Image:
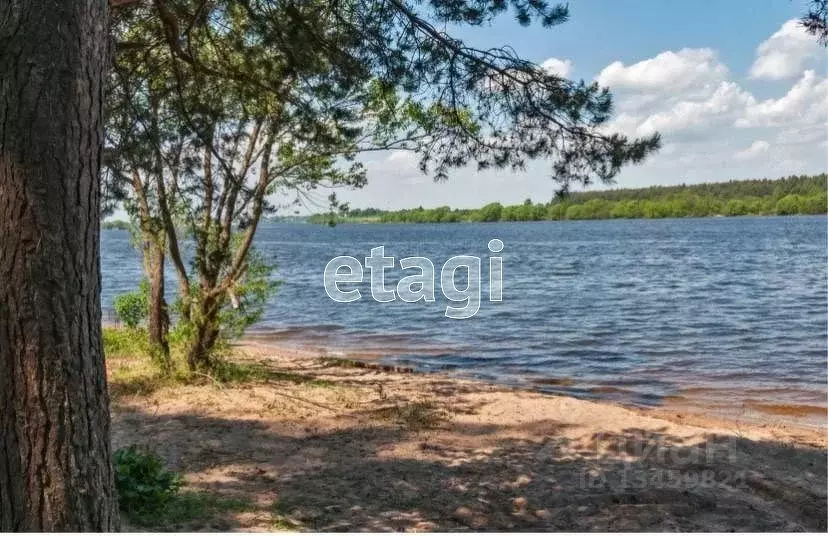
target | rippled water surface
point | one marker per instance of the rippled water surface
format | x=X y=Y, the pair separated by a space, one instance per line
x=633 y=310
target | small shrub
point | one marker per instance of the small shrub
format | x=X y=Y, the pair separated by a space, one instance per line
x=251 y=297
x=145 y=487
x=125 y=342
x=150 y=496
x=131 y=307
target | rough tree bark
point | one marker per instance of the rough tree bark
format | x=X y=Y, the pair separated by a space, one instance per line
x=55 y=466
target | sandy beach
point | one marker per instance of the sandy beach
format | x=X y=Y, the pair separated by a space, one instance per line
x=335 y=445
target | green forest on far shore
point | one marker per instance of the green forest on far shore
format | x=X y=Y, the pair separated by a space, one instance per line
x=760 y=197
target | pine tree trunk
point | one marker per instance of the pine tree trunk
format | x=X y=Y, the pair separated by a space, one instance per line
x=55 y=453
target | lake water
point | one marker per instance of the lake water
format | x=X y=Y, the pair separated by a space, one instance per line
x=632 y=310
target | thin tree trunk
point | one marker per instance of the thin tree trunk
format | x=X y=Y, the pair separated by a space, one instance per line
x=172 y=244
x=206 y=324
x=158 y=321
x=55 y=453
x=206 y=333
x=153 y=251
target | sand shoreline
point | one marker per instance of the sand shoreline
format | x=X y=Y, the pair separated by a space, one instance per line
x=692 y=402
x=329 y=445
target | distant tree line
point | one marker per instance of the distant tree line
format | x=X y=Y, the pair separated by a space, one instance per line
x=120 y=225
x=762 y=197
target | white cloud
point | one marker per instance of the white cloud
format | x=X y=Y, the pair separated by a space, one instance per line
x=802 y=135
x=714 y=128
x=728 y=99
x=669 y=70
x=394 y=165
x=694 y=102
x=406 y=158
x=784 y=54
x=558 y=67
x=756 y=148
x=693 y=106
x=497 y=82
x=805 y=103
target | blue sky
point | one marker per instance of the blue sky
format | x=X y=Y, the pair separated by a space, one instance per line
x=735 y=87
x=602 y=31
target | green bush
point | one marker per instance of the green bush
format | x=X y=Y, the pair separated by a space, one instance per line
x=145 y=487
x=131 y=307
x=125 y=342
x=252 y=295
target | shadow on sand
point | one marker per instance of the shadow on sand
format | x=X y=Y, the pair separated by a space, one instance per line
x=382 y=477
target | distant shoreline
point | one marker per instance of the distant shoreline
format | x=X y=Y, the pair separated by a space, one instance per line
x=790 y=196
x=120 y=225
x=363 y=221
x=795 y=195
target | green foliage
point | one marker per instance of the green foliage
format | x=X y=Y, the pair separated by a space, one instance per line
x=800 y=204
x=119 y=225
x=125 y=342
x=490 y=212
x=150 y=496
x=343 y=77
x=245 y=304
x=211 y=107
x=145 y=487
x=239 y=307
x=131 y=307
x=790 y=195
x=133 y=371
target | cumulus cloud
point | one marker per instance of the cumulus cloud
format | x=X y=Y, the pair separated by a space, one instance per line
x=727 y=100
x=805 y=103
x=712 y=123
x=784 y=54
x=715 y=126
x=677 y=96
x=756 y=148
x=689 y=67
x=558 y=67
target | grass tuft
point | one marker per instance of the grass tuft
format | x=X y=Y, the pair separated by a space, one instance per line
x=134 y=372
x=188 y=507
x=234 y=372
x=414 y=415
x=125 y=342
x=280 y=521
